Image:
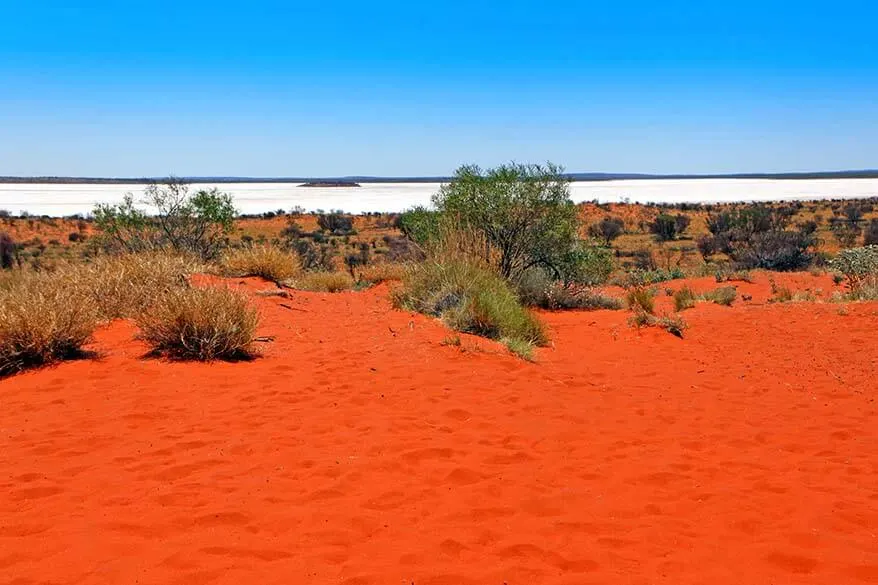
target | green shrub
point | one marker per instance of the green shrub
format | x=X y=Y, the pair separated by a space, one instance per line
x=668 y=227
x=533 y=286
x=756 y=236
x=524 y=213
x=469 y=298
x=607 y=229
x=584 y=264
x=336 y=223
x=201 y=324
x=197 y=223
x=420 y=224
x=859 y=267
x=648 y=277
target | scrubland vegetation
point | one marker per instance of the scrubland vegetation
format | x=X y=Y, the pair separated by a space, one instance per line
x=495 y=244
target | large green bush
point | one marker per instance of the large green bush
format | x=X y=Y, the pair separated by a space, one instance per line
x=859 y=267
x=757 y=236
x=196 y=223
x=523 y=211
x=585 y=264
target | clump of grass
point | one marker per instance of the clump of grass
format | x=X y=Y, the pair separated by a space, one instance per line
x=43 y=319
x=784 y=294
x=684 y=298
x=724 y=295
x=734 y=275
x=573 y=296
x=382 y=272
x=520 y=347
x=452 y=340
x=268 y=262
x=641 y=298
x=673 y=324
x=201 y=324
x=470 y=297
x=331 y=282
x=125 y=285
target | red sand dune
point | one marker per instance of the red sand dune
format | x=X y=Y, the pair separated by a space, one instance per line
x=360 y=450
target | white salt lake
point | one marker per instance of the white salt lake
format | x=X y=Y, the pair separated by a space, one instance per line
x=251 y=198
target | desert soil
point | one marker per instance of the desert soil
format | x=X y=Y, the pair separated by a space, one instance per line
x=361 y=450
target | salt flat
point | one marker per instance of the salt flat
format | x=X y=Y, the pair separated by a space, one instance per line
x=60 y=200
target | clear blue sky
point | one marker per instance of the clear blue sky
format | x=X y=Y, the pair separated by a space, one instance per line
x=323 y=87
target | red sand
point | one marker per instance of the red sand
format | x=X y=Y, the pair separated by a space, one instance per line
x=359 y=450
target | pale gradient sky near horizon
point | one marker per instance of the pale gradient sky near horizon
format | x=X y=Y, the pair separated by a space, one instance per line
x=113 y=88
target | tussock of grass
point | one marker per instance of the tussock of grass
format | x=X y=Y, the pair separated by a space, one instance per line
x=673 y=324
x=684 y=298
x=559 y=296
x=784 y=294
x=43 y=319
x=521 y=348
x=324 y=282
x=382 y=272
x=641 y=298
x=731 y=276
x=724 y=295
x=201 y=324
x=124 y=286
x=452 y=340
x=471 y=298
x=268 y=262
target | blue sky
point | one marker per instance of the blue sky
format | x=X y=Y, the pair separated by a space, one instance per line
x=321 y=88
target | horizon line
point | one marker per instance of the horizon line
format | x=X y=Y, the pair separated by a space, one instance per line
x=573 y=176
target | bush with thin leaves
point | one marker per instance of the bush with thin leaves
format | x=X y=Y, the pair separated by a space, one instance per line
x=193 y=223
x=859 y=267
x=607 y=229
x=524 y=212
x=201 y=324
